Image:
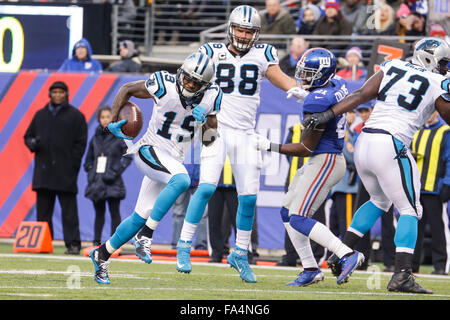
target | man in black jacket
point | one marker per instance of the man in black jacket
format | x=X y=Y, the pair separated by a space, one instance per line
x=58 y=136
x=288 y=63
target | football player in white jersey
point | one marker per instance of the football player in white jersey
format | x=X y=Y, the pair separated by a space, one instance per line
x=182 y=103
x=241 y=65
x=406 y=95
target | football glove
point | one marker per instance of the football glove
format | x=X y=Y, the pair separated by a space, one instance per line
x=312 y=121
x=297 y=92
x=261 y=143
x=114 y=128
x=199 y=113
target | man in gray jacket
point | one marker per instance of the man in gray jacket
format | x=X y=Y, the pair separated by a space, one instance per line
x=276 y=20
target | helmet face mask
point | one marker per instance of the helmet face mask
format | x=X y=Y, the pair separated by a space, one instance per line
x=195 y=76
x=432 y=54
x=242 y=44
x=316 y=67
x=307 y=75
x=243 y=17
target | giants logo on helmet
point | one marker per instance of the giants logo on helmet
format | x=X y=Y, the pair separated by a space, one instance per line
x=324 y=62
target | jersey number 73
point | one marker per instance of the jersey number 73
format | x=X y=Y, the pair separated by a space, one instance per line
x=416 y=91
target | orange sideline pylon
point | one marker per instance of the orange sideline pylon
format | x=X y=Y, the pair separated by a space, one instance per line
x=33 y=236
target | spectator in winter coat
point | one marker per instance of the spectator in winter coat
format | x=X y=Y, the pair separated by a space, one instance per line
x=289 y=62
x=276 y=20
x=104 y=165
x=382 y=22
x=129 y=61
x=334 y=22
x=57 y=136
x=81 y=60
x=354 y=69
x=356 y=12
x=307 y=18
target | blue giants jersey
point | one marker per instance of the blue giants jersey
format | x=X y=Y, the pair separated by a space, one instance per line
x=321 y=99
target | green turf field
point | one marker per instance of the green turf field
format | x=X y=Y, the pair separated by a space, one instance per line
x=63 y=277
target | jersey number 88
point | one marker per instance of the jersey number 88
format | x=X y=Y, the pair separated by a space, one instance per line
x=249 y=75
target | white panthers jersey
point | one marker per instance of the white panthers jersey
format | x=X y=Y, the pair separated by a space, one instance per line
x=172 y=125
x=405 y=99
x=240 y=77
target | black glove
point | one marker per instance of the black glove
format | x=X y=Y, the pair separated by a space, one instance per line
x=34 y=143
x=444 y=195
x=109 y=177
x=313 y=120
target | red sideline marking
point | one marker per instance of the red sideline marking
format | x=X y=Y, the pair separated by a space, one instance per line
x=88 y=107
x=12 y=171
x=266 y=263
x=14 y=95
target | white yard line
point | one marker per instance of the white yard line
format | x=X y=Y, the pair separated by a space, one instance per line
x=299 y=292
x=67 y=273
x=222 y=265
x=27 y=294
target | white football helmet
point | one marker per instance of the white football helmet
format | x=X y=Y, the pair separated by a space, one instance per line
x=432 y=54
x=199 y=70
x=244 y=17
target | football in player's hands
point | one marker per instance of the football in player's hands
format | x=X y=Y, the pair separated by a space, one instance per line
x=134 y=119
x=115 y=129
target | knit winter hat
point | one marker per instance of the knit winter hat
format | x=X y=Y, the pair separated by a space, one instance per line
x=315 y=10
x=59 y=85
x=333 y=4
x=355 y=50
x=436 y=30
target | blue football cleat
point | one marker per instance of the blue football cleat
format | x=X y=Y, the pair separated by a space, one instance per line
x=238 y=259
x=349 y=264
x=184 y=256
x=101 y=267
x=306 y=278
x=142 y=245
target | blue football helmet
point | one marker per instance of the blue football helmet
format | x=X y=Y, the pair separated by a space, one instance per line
x=316 y=67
